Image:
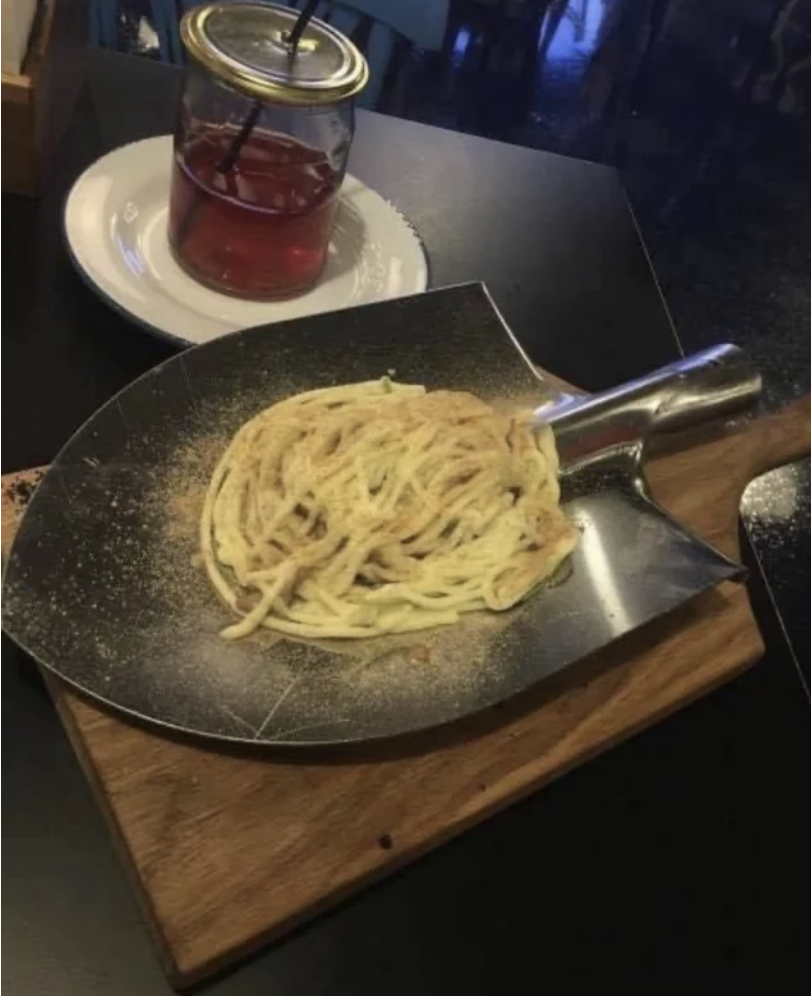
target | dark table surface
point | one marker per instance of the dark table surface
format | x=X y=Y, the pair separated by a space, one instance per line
x=681 y=852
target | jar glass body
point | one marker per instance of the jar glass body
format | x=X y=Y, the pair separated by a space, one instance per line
x=254 y=187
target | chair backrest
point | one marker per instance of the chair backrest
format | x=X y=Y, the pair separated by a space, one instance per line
x=422 y=22
x=384 y=30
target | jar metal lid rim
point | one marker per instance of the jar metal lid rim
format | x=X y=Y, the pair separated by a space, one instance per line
x=267 y=85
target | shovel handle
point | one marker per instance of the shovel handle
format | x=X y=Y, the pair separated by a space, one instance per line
x=716 y=383
x=779 y=438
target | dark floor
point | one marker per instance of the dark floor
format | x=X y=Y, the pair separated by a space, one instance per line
x=703 y=107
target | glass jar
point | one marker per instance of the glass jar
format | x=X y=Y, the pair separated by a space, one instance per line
x=261 y=146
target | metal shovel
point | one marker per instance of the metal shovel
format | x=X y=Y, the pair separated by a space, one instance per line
x=155 y=652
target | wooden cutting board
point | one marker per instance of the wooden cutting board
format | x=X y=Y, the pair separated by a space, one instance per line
x=228 y=849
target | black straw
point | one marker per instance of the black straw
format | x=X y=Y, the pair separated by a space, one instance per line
x=298 y=28
x=229 y=160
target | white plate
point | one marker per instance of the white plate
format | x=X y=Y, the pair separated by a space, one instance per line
x=115 y=220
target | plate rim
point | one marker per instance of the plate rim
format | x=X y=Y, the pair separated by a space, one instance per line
x=103 y=292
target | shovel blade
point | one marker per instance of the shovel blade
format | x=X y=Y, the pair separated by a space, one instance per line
x=633 y=564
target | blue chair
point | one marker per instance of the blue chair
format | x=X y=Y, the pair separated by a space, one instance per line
x=384 y=30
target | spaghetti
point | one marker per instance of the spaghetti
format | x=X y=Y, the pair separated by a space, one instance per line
x=377 y=508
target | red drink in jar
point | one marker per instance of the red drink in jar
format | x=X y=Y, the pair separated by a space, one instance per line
x=263 y=133
x=259 y=229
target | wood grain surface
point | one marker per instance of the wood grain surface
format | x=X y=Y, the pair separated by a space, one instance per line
x=230 y=848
